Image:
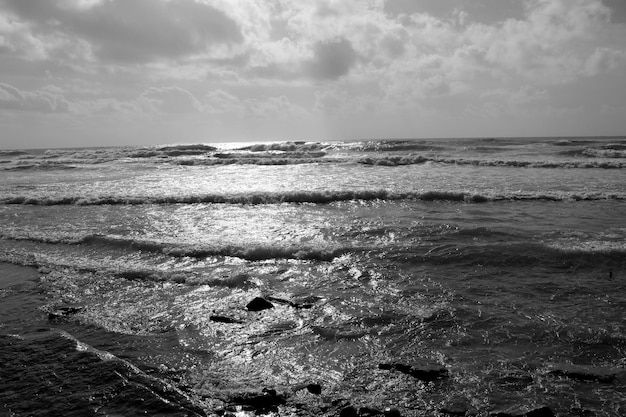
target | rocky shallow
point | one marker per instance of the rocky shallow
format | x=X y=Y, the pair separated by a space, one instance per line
x=161 y=387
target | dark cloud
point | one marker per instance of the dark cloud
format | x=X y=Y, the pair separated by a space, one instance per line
x=618 y=10
x=132 y=30
x=331 y=59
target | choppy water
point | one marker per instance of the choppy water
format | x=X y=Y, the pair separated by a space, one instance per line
x=125 y=274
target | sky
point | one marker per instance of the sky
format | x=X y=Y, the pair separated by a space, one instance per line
x=136 y=72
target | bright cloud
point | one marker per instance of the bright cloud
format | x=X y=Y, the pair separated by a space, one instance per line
x=344 y=68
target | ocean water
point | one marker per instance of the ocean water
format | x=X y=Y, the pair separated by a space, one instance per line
x=405 y=277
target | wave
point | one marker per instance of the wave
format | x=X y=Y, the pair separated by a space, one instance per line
x=609 y=150
x=297 y=146
x=396 y=145
x=420 y=159
x=40 y=165
x=259 y=158
x=253 y=252
x=11 y=153
x=518 y=254
x=250 y=253
x=312 y=197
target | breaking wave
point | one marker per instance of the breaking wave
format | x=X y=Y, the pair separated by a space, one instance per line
x=252 y=252
x=313 y=197
x=420 y=159
x=394 y=145
x=297 y=146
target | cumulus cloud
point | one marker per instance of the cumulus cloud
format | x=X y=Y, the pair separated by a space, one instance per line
x=605 y=60
x=331 y=59
x=130 y=30
x=47 y=100
x=172 y=100
x=549 y=45
x=335 y=60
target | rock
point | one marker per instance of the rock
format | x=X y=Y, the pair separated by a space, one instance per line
x=392 y=412
x=224 y=319
x=306 y=302
x=265 y=401
x=369 y=412
x=423 y=372
x=314 y=389
x=582 y=412
x=259 y=304
x=348 y=411
x=585 y=373
x=517 y=412
x=300 y=303
x=540 y=412
x=280 y=300
x=63 y=312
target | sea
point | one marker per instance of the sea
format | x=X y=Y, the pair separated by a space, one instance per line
x=426 y=277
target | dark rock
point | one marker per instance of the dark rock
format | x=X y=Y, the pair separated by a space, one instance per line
x=314 y=389
x=540 y=412
x=348 y=411
x=517 y=412
x=259 y=304
x=306 y=302
x=582 y=412
x=280 y=301
x=301 y=303
x=224 y=319
x=369 y=412
x=585 y=373
x=340 y=402
x=265 y=401
x=514 y=380
x=392 y=412
x=63 y=312
x=511 y=412
x=423 y=372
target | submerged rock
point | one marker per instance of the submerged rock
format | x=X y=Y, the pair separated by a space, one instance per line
x=314 y=389
x=540 y=412
x=63 y=312
x=392 y=412
x=299 y=303
x=259 y=304
x=224 y=319
x=517 y=412
x=306 y=302
x=369 y=412
x=348 y=411
x=585 y=373
x=262 y=402
x=422 y=371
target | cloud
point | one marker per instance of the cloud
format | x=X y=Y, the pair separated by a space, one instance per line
x=130 y=30
x=172 y=100
x=331 y=59
x=46 y=101
x=605 y=60
x=550 y=44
